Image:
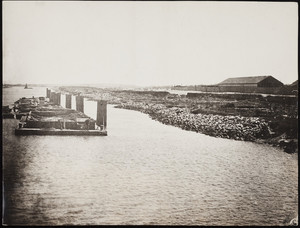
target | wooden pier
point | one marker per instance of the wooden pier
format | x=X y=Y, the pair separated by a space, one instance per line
x=45 y=116
x=45 y=131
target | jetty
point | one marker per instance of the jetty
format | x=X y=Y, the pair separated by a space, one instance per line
x=45 y=116
x=45 y=131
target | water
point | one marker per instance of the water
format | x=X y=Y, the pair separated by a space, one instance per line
x=144 y=172
x=12 y=94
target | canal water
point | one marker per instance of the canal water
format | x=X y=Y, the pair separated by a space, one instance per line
x=143 y=172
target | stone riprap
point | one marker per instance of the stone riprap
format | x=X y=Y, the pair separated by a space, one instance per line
x=233 y=127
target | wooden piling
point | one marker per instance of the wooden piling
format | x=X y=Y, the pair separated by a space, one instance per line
x=55 y=98
x=52 y=96
x=101 y=113
x=58 y=96
x=79 y=104
x=48 y=91
x=68 y=101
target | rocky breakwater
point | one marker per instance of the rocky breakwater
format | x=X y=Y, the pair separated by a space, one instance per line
x=251 y=117
x=231 y=127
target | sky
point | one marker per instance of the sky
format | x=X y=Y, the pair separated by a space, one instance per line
x=148 y=43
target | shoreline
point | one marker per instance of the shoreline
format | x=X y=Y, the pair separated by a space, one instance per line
x=231 y=127
x=242 y=117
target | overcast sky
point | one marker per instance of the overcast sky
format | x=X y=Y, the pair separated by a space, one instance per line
x=148 y=43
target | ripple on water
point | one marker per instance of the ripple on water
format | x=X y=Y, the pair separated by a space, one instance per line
x=145 y=172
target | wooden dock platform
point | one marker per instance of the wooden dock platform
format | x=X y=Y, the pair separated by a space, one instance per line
x=45 y=131
x=45 y=116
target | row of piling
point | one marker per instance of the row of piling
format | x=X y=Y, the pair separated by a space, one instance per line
x=101 y=120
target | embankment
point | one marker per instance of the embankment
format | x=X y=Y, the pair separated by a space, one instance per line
x=233 y=127
x=250 y=117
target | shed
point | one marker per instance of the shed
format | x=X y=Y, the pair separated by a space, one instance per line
x=253 y=81
x=294 y=84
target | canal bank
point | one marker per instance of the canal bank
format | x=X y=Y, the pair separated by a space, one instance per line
x=231 y=127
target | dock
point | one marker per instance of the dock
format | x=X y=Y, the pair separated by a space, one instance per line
x=45 y=131
x=45 y=116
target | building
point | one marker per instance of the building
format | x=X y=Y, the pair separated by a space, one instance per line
x=254 y=84
x=256 y=81
x=294 y=84
x=293 y=88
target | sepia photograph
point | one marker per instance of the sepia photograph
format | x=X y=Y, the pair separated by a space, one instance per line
x=149 y=113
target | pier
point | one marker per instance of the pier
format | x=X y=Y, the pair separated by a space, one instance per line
x=45 y=131
x=46 y=116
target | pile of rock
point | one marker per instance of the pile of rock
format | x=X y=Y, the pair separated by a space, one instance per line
x=233 y=127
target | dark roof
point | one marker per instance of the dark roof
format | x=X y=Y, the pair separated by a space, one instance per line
x=244 y=80
x=295 y=83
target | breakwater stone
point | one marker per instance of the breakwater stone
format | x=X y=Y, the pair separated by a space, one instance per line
x=232 y=127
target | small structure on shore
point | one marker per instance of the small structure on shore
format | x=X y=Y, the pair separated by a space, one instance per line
x=44 y=116
x=253 y=84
